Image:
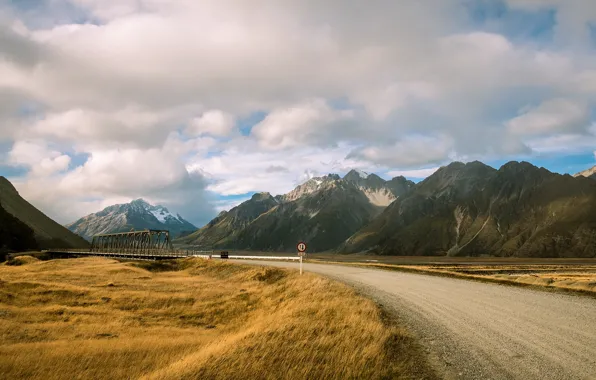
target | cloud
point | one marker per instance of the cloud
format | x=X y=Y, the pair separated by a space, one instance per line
x=415 y=173
x=552 y=116
x=276 y=169
x=407 y=152
x=38 y=157
x=313 y=122
x=155 y=93
x=112 y=175
x=213 y=122
x=243 y=169
x=567 y=143
x=573 y=18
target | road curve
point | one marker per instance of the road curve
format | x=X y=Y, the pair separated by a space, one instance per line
x=474 y=330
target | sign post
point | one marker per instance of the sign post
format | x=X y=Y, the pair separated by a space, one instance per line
x=301 y=252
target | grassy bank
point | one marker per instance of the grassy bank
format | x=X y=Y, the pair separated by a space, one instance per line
x=101 y=318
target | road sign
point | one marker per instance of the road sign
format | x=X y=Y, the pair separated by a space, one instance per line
x=301 y=247
x=301 y=252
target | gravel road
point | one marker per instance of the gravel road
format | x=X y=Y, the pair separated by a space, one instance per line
x=475 y=330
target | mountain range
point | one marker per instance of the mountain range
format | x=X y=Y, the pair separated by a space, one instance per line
x=136 y=215
x=460 y=210
x=24 y=227
x=463 y=209
x=473 y=209
x=324 y=211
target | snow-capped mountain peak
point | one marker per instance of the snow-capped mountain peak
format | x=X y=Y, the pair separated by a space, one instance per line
x=136 y=215
x=312 y=185
x=362 y=174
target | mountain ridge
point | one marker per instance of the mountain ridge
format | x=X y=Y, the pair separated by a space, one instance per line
x=473 y=209
x=135 y=215
x=589 y=173
x=30 y=225
x=324 y=210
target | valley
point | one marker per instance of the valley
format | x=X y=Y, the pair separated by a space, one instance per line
x=298 y=190
x=411 y=248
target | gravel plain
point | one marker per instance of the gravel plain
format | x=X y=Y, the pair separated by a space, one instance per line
x=473 y=330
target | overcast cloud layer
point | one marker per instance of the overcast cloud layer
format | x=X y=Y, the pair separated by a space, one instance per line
x=197 y=104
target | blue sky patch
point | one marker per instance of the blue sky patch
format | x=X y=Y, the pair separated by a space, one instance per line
x=246 y=124
x=562 y=164
x=77 y=160
x=516 y=24
x=13 y=171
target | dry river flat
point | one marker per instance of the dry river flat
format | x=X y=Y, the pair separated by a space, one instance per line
x=474 y=330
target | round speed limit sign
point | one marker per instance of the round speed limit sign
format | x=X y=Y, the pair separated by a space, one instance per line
x=301 y=247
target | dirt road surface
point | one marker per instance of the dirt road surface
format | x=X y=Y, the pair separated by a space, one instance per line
x=474 y=330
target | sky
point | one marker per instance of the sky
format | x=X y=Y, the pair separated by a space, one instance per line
x=198 y=104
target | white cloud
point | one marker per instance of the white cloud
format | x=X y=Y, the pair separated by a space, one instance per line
x=415 y=173
x=313 y=122
x=117 y=175
x=242 y=169
x=568 y=143
x=552 y=116
x=213 y=122
x=407 y=152
x=37 y=156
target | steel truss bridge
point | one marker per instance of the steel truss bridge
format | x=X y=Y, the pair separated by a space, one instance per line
x=138 y=242
x=145 y=244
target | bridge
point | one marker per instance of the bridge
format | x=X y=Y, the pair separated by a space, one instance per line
x=144 y=242
x=145 y=245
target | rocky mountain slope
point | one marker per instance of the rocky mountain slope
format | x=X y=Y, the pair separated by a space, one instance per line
x=15 y=236
x=22 y=226
x=589 y=173
x=136 y=215
x=473 y=209
x=229 y=222
x=323 y=211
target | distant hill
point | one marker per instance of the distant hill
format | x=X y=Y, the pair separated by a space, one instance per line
x=323 y=211
x=589 y=173
x=227 y=223
x=136 y=215
x=21 y=221
x=473 y=209
x=15 y=236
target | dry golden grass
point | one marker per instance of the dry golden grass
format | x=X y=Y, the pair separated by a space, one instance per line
x=96 y=318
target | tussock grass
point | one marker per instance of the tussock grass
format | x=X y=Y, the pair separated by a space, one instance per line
x=104 y=319
x=21 y=260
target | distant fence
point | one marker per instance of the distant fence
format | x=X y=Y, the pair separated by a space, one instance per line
x=244 y=257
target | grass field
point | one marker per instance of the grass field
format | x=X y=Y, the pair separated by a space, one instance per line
x=96 y=318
